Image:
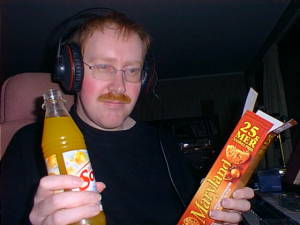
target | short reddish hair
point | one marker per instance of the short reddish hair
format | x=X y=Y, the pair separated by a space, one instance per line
x=118 y=21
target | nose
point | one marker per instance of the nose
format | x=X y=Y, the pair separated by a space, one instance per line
x=118 y=83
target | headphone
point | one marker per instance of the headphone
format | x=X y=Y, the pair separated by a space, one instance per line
x=69 y=67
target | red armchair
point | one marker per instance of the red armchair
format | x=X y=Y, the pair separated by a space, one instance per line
x=20 y=104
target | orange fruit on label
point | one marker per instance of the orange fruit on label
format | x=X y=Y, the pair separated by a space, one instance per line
x=235 y=155
x=235 y=173
x=190 y=221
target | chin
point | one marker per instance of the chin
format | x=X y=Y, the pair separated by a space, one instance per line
x=111 y=124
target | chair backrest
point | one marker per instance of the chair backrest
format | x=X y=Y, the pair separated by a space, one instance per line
x=21 y=100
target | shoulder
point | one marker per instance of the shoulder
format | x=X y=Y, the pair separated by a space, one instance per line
x=25 y=141
x=24 y=151
x=32 y=129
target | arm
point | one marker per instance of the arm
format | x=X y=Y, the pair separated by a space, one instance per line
x=21 y=168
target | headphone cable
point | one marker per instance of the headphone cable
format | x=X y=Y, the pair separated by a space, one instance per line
x=170 y=174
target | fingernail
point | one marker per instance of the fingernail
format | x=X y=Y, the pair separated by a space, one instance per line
x=99 y=197
x=235 y=194
x=100 y=206
x=224 y=202
x=104 y=186
x=212 y=213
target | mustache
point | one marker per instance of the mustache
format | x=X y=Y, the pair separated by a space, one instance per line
x=114 y=97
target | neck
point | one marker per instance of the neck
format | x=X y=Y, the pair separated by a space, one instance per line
x=125 y=125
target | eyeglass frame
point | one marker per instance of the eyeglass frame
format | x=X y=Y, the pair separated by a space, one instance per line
x=142 y=72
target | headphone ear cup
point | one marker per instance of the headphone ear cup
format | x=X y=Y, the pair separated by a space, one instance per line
x=69 y=68
x=78 y=67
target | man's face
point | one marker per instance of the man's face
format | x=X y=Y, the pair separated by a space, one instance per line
x=97 y=102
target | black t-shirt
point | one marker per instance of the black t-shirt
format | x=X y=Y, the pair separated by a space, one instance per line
x=139 y=189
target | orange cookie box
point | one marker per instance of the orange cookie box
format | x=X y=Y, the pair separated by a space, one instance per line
x=233 y=167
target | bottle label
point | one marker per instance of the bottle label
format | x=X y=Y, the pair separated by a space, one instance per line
x=77 y=163
x=52 y=165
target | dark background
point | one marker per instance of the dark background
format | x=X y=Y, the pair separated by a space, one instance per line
x=190 y=38
x=206 y=51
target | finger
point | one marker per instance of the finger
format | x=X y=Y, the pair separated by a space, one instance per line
x=64 y=200
x=227 y=217
x=72 y=215
x=49 y=184
x=240 y=205
x=243 y=193
x=100 y=186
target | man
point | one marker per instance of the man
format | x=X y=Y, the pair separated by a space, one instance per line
x=126 y=155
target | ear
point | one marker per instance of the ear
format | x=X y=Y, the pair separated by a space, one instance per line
x=69 y=69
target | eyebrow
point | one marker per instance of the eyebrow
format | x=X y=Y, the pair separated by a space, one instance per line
x=112 y=60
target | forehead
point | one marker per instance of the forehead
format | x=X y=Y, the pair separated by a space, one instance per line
x=110 y=40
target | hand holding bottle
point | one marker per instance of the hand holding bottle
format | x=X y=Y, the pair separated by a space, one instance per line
x=52 y=206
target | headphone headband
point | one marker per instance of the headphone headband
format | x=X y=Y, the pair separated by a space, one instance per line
x=72 y=24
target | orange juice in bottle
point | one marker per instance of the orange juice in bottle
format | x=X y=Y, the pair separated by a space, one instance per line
x=64 y=148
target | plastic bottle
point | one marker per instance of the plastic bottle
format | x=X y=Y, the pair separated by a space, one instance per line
x=64 y=148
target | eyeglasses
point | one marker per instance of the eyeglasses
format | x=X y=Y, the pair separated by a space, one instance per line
x=108 y=72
